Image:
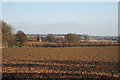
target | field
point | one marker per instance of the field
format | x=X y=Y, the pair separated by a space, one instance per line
x=79 y=62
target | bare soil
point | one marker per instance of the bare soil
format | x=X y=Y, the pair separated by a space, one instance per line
x=80 y=62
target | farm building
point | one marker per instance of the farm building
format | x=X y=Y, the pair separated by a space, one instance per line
x=36 y=38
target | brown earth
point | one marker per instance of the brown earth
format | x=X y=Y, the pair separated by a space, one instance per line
x=80 y=62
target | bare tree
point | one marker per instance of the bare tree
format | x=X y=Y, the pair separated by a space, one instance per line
x=50 y=38
x=72 y=38
x=21 y=37
x=7 y=34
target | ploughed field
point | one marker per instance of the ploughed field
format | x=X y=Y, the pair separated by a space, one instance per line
x=79 y=62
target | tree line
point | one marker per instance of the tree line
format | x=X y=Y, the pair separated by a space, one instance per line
x=70 y=38
x=10 y=39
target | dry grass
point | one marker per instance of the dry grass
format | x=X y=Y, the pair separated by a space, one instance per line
x=87 y=62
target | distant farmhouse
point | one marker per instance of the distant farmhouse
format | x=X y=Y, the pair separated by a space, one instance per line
x=36 y=37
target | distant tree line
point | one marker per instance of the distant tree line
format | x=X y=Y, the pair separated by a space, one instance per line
x=11 y=39
x=70 y=38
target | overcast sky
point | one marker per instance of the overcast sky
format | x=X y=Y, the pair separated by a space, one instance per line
x=93 y=18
